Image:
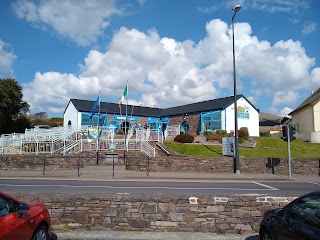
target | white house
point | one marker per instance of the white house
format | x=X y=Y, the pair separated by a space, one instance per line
x=192 y=118
x=306 y=119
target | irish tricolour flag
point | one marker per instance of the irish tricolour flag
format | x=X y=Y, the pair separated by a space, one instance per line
x=125 y=94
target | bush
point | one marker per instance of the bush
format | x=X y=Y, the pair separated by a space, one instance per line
x=184 y=138
x=243 y=133
x=221 y=132
x=120 y=132
x=214 y=137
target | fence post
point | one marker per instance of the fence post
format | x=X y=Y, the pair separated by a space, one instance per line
x=44 y=165
x=97 y=157
x=125 y=160
x=113 y=166
x=148 y=166
x=78 y=166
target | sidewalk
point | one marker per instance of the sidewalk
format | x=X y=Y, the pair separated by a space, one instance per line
x=115 y=235
x=119 y=173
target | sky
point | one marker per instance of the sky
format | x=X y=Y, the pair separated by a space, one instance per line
x=170 y=52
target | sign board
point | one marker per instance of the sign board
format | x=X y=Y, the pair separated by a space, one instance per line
x=129 y=118
x=112 y=146
x=228 y=146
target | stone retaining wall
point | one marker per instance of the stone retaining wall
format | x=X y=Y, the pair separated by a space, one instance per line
x=173 y=163
x=182 y=163
x=232 y=214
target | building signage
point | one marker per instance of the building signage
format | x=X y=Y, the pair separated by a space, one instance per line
x=227 y=146
x=243 y=112
x=129 y=118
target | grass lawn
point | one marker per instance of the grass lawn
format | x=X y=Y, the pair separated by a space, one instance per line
x=266 y=147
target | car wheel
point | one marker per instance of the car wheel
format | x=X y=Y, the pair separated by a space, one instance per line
x=265 y=235
x=41 y=233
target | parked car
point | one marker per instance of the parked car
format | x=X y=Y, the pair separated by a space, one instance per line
x=23 y=221
x=298 y=220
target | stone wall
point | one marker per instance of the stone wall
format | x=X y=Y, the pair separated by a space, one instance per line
x=193 y=120
x=220 y=214
x=54 y=162
x=182 y=163
x=162 y=163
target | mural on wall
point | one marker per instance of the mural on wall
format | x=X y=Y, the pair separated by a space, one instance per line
x=243 y=112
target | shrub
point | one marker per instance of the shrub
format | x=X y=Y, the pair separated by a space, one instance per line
x=120 y=132
x=221 y=132
x=184 y=138
x=243 y=133
x=214 y=137
x=241 y=140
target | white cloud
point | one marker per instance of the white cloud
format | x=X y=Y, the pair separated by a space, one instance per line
x=285 y=97
x=6 y=61
x=285 y=112
x=279 y=6
x=164 y=72
x=309 y=28
x=81 y=21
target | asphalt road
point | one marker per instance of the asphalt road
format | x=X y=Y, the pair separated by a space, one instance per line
x=220 y=187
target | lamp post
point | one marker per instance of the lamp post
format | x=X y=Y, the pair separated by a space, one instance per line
x=236 y=140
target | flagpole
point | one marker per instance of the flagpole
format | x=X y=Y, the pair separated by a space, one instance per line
x=126 y=114
x=98 y=139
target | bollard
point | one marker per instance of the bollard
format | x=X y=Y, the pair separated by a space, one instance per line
x=44 y=165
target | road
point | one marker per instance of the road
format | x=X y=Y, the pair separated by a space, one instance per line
x=220 y=187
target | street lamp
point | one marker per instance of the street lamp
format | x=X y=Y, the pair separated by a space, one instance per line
x=236 y=140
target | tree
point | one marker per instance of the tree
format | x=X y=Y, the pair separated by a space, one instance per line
x=40 y=115
x=11 y=104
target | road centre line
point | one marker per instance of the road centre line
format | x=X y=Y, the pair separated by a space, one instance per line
x=264 y=185
x=152 y=187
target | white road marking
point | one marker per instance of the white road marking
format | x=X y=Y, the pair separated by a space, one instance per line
x=267 y=186
x=314 y=183
x=152 y=187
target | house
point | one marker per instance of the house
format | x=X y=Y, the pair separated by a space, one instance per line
x=270 y=125
x=192 y=118
x=306 y=119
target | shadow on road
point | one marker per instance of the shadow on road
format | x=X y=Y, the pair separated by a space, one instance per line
x=256 y=237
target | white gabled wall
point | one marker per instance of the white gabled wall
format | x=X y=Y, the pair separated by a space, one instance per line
x=248 y=117
x=71 y=114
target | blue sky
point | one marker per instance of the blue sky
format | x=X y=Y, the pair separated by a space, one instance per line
x=170 y=52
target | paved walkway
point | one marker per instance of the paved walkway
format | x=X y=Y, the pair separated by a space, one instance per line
x=119 y=173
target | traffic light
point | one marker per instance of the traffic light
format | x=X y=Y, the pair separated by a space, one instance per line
x=292 y=130
x=284 y=133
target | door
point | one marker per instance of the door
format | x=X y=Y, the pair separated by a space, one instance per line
x=11 y=225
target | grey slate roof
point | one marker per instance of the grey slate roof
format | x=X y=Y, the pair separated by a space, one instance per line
x=113 y=108
x=267 y=119
x=315 y=97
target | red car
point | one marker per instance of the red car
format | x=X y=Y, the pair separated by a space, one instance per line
x=23 y=221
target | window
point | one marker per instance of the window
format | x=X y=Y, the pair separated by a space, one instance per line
x=210 y=121
x=6 y=206
x=94 y=120
x=307 y=211
x=184 y=127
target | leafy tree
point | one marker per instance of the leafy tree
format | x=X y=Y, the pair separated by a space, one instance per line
x=11 y=104
x=40 y=115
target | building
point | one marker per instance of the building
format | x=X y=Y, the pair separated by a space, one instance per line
x=306 y=119
x=192 y=118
